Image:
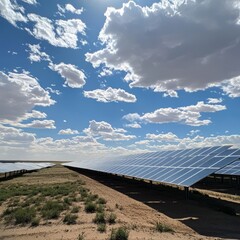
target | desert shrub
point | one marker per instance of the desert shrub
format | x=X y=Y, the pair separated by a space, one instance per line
x=160 y=227
x=101 y=201
x=70 y=219
x=81 y=236
x=35 y=222
x=24 y=215
x=90 y=207
x=91 y=198
x=99 y=218
x=100 y=208
x=67 y=201
x=119 y=234
x=75 y=209
x=52 y=210
x=112 y=218
x=101 y=227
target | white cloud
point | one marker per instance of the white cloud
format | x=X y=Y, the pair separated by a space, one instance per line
x=106 y=132
x=164 y=137
x=74 y=77
x=53 y=91
x=42 y=124
x=232 y=87
x=68 y=131
x=110 y=95
x=188 y=45
x=132 y=125
x=33 y=2
x=12 y=12
x=214 y=100
x=59 y=33
x=70 y=8
x=19 y=94
x=13 y=137
x=189 y=115
x=36 y=55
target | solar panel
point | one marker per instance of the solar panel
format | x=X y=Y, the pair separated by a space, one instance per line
x=231 y=169
x=180 y=167
x=17 y=166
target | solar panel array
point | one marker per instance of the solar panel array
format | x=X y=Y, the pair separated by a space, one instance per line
x=18 y=166
x=179 y=167
x=234 y=167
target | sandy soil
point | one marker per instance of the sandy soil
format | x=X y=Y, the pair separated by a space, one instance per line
x=137 y=207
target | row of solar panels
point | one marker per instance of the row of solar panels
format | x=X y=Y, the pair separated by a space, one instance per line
x=179 y=167
x=19 y=166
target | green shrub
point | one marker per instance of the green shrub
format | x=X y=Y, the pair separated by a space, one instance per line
x=100 y=208
x=90 y=207
x=119 y=234
x=70 y=219
x=99 y=218
x=112 y=218
x=67 y=201
x=35 y=222
x=81 y=236
x=163 y=228
x=52 y=210
x=101 y=227
x=24 y=215
x=101 y=201
x=75 y=209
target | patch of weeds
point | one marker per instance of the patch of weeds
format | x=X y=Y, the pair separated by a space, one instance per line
x=67 y=201
x=120 y=233
x=99 y=218
x=75 y=209
x=160 y=227
x=24 y=215
x=81 y=236
x=90 y=207
x=52 y=209
x=112 y=218
x=70 y=219
x=118 y=206
x=91 y=198
x=100 y=208
x=101 y=227
x=101 y=201
x=35 y=222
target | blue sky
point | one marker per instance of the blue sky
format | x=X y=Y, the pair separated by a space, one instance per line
x=86 y=78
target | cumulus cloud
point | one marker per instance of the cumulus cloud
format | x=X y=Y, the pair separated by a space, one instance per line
x=110 y=95
x=19 y=94
x=13 y=137
x=74 y=77
x=232 y=87
x=36 y=55
x=172 y=45
x=68 y=131
x=70 y=8
x=44 y=124
x=163 y=137
x=59 y=33
x=106 y=132
x=12 y=12
x=189 y=115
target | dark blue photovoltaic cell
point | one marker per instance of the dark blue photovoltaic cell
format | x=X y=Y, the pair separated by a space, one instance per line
x=180 y=167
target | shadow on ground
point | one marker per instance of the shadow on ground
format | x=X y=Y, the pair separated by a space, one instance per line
x=170 y=201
